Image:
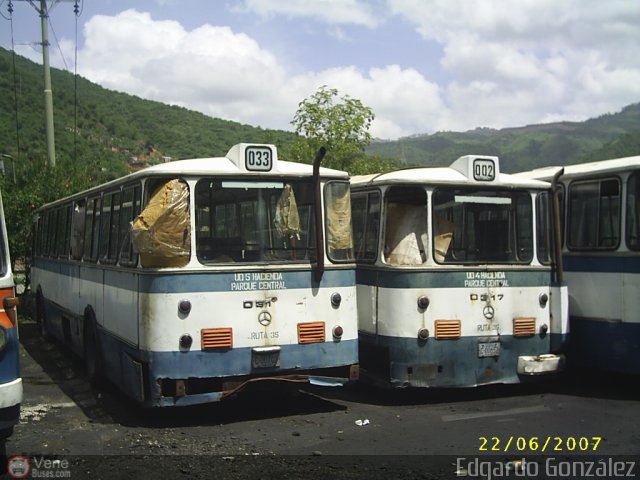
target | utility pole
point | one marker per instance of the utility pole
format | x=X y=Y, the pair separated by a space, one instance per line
x=48 y=93
x=43 y=11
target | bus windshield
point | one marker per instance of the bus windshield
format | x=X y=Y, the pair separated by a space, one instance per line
x=480 y=226
x=254 y=221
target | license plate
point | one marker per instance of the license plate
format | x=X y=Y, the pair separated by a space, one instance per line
x=268 y=357
x=489 y=349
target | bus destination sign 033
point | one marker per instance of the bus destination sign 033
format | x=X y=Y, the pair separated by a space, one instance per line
x=258 y=158
x=484 y=170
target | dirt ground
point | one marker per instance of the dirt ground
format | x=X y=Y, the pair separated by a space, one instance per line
x=277 y=432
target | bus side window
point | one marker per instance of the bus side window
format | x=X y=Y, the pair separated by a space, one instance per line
x=633 y=212
x=104 y=228
x=91 y=220
x=366 y=225
x=77 y=229
x=114 y=229
x=594 y=215
x=128 y=212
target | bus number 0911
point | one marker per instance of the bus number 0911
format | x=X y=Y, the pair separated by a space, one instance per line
x=258 y=159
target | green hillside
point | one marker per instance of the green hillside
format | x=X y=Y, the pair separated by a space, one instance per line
x=112 y=127
x=524 y=148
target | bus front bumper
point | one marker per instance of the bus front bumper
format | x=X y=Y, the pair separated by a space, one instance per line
x=10 y=399
x=540 y=364
x=11 y=393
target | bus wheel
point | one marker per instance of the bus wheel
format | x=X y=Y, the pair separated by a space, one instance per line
x=41 y=316
x=92 y=352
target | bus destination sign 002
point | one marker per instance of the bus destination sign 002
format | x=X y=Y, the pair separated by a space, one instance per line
x=484 y=170
x=258 y=158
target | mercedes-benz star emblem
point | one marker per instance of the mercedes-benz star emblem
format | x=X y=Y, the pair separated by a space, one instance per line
x=264 y=318
x=488 y=312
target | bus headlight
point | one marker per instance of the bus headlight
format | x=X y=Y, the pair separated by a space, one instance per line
x=544 y=328
x=3 y=338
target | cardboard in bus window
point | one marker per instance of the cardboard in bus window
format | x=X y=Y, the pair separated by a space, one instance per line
x=287 y=218
x=406 y=234
x=339 y=231
x=161 y=232
x=443 y=237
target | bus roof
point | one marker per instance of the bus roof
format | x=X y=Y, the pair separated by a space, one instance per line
x=461 y=172
x=233 y=164
x=585 y=169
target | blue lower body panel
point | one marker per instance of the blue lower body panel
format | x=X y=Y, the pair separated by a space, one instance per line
x=10 y=383
x=602 y=345
x=410 y=362
x=192 y=377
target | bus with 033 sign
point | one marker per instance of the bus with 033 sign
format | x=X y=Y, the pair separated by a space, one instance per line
x=184 y=282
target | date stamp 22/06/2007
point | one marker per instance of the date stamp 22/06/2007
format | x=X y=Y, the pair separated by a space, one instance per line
x=543 y=444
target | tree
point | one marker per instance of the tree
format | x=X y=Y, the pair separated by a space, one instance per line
x=341 y=125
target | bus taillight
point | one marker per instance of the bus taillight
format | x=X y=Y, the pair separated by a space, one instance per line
x=337 y=332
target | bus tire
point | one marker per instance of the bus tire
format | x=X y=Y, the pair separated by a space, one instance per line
x=41 y=316
x=92 y=350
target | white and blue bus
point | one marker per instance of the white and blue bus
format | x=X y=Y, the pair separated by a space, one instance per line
x=184 y=282
x=601 y=241
x=10 y=381
x=455 y=278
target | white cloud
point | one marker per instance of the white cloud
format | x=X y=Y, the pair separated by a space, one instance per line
x=505 y=63
x=355 y=12
x=530 y=61
x=210 y=69
x=228 y=75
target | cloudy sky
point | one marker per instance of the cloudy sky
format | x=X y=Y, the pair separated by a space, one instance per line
x=421 y=65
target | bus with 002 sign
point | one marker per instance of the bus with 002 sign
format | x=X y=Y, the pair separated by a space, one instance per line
x=456 y=277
